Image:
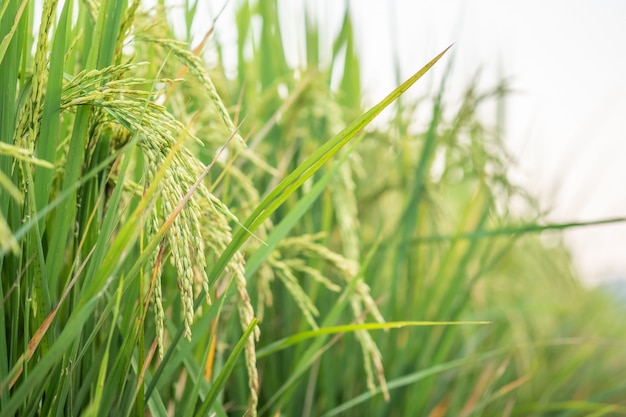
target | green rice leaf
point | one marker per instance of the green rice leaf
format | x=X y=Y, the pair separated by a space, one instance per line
x=302 y=336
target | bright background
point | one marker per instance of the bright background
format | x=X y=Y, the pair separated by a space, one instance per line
x=565 y=121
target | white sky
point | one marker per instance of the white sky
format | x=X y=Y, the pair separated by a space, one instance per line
x=566 y=123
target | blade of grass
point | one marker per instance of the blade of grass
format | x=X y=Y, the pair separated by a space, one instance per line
x=299 y=337
x=4 y=44
x=47 y=142
x=94 y=408
x=221 y=378
x=100 y=56
x=515 y=230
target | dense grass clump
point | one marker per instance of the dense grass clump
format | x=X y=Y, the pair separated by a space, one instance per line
x=179 y=240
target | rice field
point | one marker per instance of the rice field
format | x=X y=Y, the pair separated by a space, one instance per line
x=181 y=239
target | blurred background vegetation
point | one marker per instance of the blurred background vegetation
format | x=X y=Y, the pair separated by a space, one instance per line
x=395 y=269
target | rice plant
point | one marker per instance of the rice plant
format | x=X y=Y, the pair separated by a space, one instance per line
x=179 y=240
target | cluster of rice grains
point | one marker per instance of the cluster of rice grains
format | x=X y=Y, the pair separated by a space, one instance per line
x=190 y=216
x=215 y=216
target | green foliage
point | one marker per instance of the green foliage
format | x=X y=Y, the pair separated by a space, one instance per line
x=178 y=241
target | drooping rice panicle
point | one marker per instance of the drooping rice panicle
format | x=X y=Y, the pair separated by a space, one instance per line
x=159 y=132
